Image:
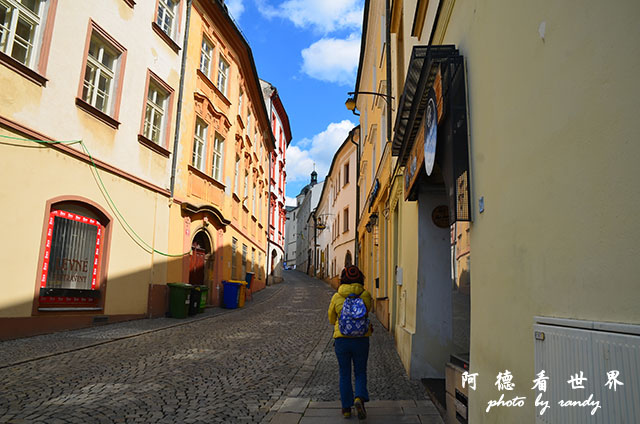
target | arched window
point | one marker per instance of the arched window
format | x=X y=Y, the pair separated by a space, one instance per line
x=75 y=245
x=347 y=259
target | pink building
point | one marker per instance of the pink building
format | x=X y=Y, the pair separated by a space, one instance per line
x=278 y=179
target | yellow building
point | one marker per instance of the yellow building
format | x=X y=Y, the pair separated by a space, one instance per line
x=221 y=186
x=82 y=245
x=519 y=117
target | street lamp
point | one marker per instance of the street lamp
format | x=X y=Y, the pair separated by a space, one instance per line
x=351 y=101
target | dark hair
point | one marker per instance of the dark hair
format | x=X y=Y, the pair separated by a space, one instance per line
x=351 y=275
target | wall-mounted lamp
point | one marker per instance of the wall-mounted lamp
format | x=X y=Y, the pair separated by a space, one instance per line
x=351 y=101
x=368 y=227
x=373 y=219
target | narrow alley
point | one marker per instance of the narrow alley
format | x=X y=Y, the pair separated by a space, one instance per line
x=271 y=361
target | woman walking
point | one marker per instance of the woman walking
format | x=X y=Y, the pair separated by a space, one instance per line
x=349 y=312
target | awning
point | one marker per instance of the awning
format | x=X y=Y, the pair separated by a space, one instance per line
x=438 y=70
x=413 y=102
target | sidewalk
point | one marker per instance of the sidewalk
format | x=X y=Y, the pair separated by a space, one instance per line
x=304 y=411
x=17 y=351
x=312 y=397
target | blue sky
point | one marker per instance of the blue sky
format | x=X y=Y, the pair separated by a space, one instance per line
x=308 y=49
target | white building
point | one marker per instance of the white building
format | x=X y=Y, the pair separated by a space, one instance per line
x=335 y=215
x=278 y=178
x=290 y=230
x=307 y=201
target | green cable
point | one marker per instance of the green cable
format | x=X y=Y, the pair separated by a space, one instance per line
x=105 y=191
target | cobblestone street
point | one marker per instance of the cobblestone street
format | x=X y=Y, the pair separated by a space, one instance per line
x=226 y=366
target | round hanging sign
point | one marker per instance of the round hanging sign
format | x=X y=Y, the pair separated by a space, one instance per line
x=431 y=131
x=440 y=216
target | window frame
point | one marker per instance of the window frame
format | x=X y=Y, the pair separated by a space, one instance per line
x=36 y=67
x=206 y=41
x=217 y=152
x=94 y=299
x=164 y=140
x=345 y=219
x=225 y=88
x=202 y=138
x=111 y=117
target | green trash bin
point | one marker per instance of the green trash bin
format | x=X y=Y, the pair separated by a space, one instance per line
x=204 y=295
x=194 y=302
x=179 y=297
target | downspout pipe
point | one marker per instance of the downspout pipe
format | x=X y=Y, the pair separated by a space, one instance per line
x=269 y=200
x=183 y=65
x=357 y=240
x=389 y=79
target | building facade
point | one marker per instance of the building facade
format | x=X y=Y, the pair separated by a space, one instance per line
x=334 y=216
x=278 y=179
x=221 y=193
x=290 y=232
x=307 y=200
x=474 y=114
x=95 y=89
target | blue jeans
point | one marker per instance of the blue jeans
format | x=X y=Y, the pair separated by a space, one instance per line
x=354 y=349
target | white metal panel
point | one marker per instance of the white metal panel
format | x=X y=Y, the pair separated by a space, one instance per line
x=566 y=351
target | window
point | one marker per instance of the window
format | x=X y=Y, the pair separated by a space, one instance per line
x=259 y=265
x=199 y=145
x=20 y=23
x=244 y=261
x=205 y=57
x=248 y=128
x=240 y=100
x=345 y=220
x=253 y=196
x=167 y=16
x=223 y=75
x=155 y=113
x=246 y=188
x=100 y=74
x=346 y=173
x=218 y=155
x=253 y=260
x=234 y=250
x=72 y=267
x=235 y=175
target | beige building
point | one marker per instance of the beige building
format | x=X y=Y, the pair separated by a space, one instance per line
x=500 y=122
x=221 y=190
x=87 y=242
x=334 y=217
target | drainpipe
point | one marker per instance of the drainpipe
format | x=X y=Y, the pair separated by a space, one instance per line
x=269 y=202
x=357 y=240
x=183 y=66
x=389 y=79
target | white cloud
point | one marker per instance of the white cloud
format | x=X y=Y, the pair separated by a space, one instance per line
x=322 y=147
x=236 y=8
x=322 y=16
x=333 y=60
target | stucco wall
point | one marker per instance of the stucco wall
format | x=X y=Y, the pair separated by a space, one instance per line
x=554 y=154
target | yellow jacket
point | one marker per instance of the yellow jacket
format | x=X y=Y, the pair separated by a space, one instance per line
x=338 y=300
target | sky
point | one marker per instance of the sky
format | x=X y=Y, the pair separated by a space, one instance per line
x=309 y=50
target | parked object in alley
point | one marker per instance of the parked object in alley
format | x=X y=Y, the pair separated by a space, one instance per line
x=231 y=294
x=179 y=299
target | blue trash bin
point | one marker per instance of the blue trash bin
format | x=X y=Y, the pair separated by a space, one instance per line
x=230 y=294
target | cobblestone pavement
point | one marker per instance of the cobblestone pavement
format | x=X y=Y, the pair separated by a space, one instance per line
x=235 y=366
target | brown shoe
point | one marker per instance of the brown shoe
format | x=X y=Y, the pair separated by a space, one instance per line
x=359 y=404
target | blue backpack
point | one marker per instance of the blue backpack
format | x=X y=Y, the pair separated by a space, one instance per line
x=353 y=320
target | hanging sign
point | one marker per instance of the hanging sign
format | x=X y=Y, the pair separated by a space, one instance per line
x=431 y=132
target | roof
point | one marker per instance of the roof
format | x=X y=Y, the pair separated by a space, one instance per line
x=269 y=91
x=413 y=102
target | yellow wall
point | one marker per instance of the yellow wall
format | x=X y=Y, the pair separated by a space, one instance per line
x=553 y=132
x=32 y=176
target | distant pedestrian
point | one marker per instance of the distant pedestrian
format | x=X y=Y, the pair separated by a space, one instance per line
x=349 y=312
